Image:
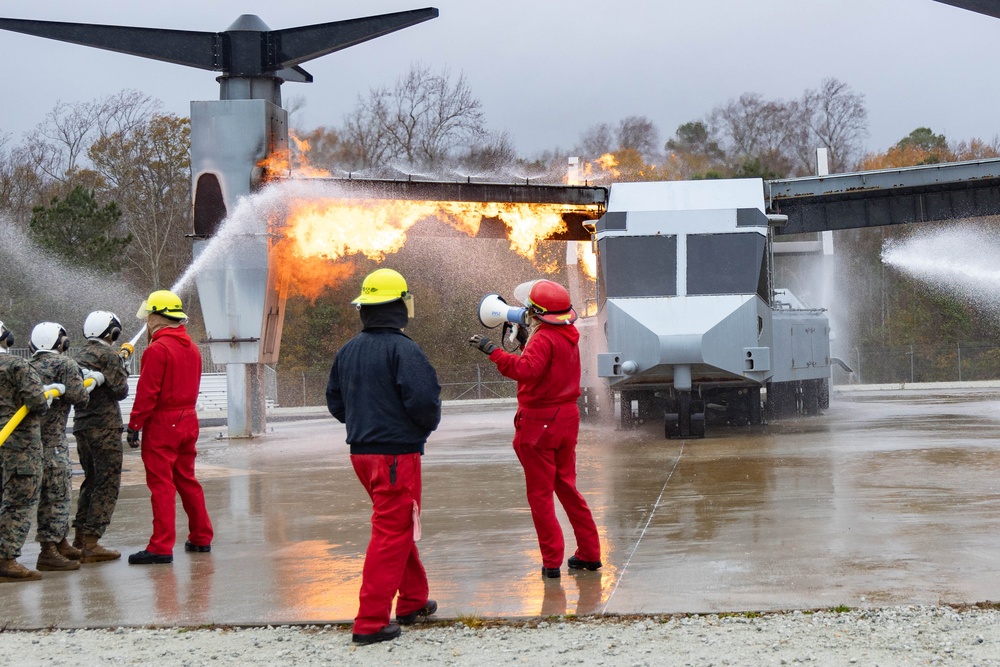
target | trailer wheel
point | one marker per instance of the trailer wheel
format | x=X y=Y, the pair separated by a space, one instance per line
x=810 y=398
x=627 y=418
x=782 y=400
x=756 y=407
x=684 y=417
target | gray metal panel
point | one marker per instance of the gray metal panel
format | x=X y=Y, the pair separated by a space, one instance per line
x=638 y=266
x=724 y=345
x=724 y=263
x=228 y=139
x=801 y=345
x=750 y=217
x=614 y=221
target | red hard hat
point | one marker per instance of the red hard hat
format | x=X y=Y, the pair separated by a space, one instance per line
x=549 y=302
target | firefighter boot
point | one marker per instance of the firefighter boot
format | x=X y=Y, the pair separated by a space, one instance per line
x=68 y=550
x=93 y=552
x=50 y=560
x=11 y=570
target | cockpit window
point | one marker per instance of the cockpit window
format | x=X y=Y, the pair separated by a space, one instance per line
x=639 y=266
x=727 y=264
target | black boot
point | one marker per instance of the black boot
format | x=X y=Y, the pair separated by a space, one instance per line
x=390 y=631
x=425 y=611
x=148 y=558
x=577 y=564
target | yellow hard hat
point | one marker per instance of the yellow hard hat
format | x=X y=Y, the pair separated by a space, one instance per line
x=381 y=286
x=162 y=302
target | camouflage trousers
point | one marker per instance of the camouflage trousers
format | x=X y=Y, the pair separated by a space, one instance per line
x=55 y=496
x=100 y=452
x=19 y=487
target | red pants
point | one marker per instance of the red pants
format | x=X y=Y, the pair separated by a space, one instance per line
x=392 y=562
x=168 y=453
x=545 y=442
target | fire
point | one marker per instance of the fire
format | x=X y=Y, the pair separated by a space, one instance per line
x=317 y=233
x=588 y=259
x=290 y=163
x=604 y=167
x=331 y=229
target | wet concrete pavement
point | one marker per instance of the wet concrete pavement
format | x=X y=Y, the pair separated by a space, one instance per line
x=892 y=497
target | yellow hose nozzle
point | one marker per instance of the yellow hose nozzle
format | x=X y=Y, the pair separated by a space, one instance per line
x=126 y=351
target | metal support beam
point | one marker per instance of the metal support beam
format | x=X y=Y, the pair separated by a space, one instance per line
x=928 y=193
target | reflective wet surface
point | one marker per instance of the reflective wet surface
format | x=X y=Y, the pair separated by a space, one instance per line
x=889 y=498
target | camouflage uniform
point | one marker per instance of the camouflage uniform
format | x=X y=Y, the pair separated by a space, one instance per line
x=21 y=454
x=57 y=488
x=98 y=431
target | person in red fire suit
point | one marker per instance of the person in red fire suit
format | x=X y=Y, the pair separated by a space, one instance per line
x=547 y=422
x=164 y=412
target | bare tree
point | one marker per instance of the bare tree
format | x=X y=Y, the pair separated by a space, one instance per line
x=422 y=120
x=492 y=153
x=21 y=187
x=838 y=120
x=639 y=134
x=596 y=141
x=760 y=136
x=57 y=147
x=147 y=168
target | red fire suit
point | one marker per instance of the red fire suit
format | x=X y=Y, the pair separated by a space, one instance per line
x=164 y=410
x=546 y=427
x=392 y=561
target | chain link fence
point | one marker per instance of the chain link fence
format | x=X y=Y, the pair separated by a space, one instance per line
x=869 y=365
x=919 y=363
x=307 y=388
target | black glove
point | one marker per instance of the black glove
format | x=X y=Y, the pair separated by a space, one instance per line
x=483 y=343
x=132 y=438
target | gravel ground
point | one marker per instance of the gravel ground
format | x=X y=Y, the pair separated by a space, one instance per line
x=938 y=635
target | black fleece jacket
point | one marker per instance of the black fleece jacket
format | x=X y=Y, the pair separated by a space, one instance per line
x=383 y=387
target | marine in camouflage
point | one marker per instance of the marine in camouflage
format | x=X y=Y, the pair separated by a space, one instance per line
x=98 y=431
x=56 y=494
x=21 y=453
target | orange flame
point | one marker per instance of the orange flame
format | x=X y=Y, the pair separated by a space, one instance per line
x=318 y=232
x=603 y=168
x=288 y=163
x=588 y=259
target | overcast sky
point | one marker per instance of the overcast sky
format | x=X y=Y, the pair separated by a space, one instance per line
x=546 y=70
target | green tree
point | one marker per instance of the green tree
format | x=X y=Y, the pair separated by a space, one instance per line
x=82 y=231
x=924 y=138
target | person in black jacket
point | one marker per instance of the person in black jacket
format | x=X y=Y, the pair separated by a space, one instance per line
x=386 y=391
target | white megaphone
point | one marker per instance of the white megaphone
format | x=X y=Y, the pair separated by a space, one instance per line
x=494 y=311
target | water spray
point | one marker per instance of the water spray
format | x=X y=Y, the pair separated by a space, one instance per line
x=960 y=261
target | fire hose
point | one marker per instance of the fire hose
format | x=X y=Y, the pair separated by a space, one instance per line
x=125 y=352
x=22 y=412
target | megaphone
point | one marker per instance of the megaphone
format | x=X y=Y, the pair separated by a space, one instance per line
x=494 y=311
